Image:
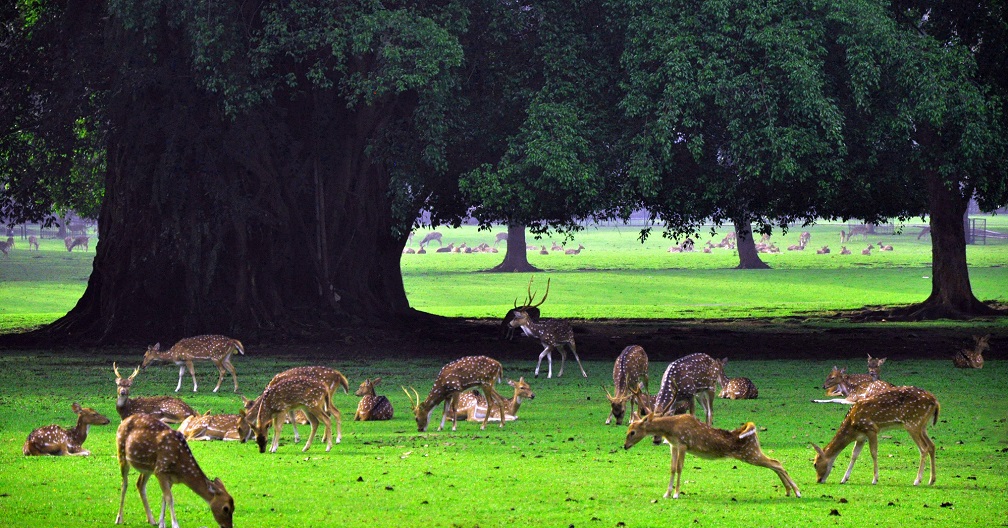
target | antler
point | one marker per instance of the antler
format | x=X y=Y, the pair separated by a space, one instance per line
x=413 y=403
x=532 y=297
x=116 y=370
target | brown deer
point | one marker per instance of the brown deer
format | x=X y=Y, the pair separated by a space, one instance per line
x=739 y=389
x=455 y=377
x=251 y=410
x=216 y=427
x=852 y=393
x=445 y=249
x=430 y=237
x=500 y=237
x=5 y=248
x=693 y=376
x=686 y=434
x=472 y=406
x=556 y=247
x=839 y=376
x=330 y=377
x=844 y=250
x=372 y=406
x=507 y=331
x=544 y=251
x=152 y=447
x=867 y=250
x=823 y=251
x=630 y=371
x=553 y=335
x=72 y=242
x=967 y=358
x=574 y=251
x=165 y=408
x=56 y=440
x=907 y=407
x=309 y=395
x=884 y=247
x=215 y=348
x=32 y=242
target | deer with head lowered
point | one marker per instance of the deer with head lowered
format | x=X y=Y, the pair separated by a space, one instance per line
x=330 y=377
x=455 y=377
x=430 y=237
x=215 y=348
x=278 y=400
x=472 y=406
x=56 y=440
x=693 y=376
x=907 y=407
x=552 y=334
x=165 y=408
x=372 y=406
x=629 y=372
x=686 y=434
x=153 y=448
x=72 y=242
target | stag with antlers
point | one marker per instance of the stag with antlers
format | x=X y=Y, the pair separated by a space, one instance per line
x=553 y=335
x=455 y=377
x=165 y=408
x=507 y=330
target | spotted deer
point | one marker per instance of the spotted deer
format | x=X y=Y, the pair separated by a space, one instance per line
x=472 y=406
x=56 y=440
x=372 y=406
x=307 y=394
x=153 y=448
x=867 y=250
x=330 y=377
x=695 y=376
x=967 y=358
x=844 y=250
x=630 y=370
x=852 y=393
x=507 y=331
x=739 y=389
x=825 y=250
x=455 y=377
x=165 y=408
x=33 y=242
x=838 y=376
x=215 y=348
x=251 y=410
x=216 y=427
x=552 y=334
x=907 y=407
x=686 y=434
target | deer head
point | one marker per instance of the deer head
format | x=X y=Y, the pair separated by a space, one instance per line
x=422 y=417
x=124 y=384
x=153 y=354
x=367 y=387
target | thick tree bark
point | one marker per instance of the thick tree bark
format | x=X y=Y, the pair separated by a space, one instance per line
x=516 y=258
x=746 y=245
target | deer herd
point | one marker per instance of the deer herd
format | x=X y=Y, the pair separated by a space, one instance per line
x=466 y=389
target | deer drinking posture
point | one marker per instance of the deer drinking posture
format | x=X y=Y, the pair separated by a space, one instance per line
x=372 y=406
x=967 y=358
x=472 y=406
x=693 y=376
x=630 y=371
x=278 y=400
x=907 y=407
x=56 y=440
x=687 y=435
x=455 y=377
x=553 y=335
x=215 y=348
x=153 y=448
x=739 y=389
x=165 y=408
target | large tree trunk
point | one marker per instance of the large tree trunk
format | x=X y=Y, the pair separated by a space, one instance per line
x=746 y=245
x=516 y=258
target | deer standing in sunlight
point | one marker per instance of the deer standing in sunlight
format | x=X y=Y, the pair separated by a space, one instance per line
x=215 y=348
x=455 y=377
x=553 y=334
x=56 y=440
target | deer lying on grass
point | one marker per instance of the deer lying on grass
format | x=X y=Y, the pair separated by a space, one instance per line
x=165 y=408
x=553 y=335
x=823 y=251
x=630 y=371
x=455 y=377
x=686 y=434
x=507 y=331
x=839 y=376
x=739 y=389
x=967 y=358
x=693 y=376
x=574 y=251
x=56 y=440
x=153 y=448
x=907 y=407
x=472 y=406
x=215 y=348
x=278 y=400
x=844 y=250
x=867 y=250
x=884 y=247
x=372 y=406
x=216 y=427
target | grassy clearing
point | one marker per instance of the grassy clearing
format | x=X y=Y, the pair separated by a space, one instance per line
x=559 y=465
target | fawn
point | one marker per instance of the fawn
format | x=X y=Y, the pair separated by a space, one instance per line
x=372 y=406
x=967 y=358
x=739 y=389
x=56 y=440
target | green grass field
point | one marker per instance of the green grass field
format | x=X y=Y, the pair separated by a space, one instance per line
x=558 y=465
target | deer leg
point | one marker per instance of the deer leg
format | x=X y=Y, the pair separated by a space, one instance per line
x=758 y=458
x=545 y=353
x=181 y=372
x=449 y=401
x=124 y=469
x=167 y=500
x=292 y=418
x=707 y=403
x=220 y=375
x=873 y=448
x=563 y=358
x=231 y=369
x=192 y=372
x=277 y=425
x=573 y=348
x=858 y=445
x=142 y=488
x=931 y=451
x=313 y=421
x=327 y=432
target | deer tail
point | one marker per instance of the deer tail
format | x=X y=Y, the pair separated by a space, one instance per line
x=748 y=429
x=343 y=382
x=937 y=408
x=239 y=347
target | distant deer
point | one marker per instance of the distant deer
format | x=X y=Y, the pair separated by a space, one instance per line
x=867 y=250
x=507 y=331
x=544 y=251
x=500 y=237
x=739 y=389
x=823 y=251
x=10 y=242
x=152 y=447
x=430 y=237
x=5 y=248
x=70 y=243
x=804 y=238
x=32 y=242
x=215 y=348
x=907 y=407
x=884 y=247
x=278 y=400
x=574 y=251
x=472 y=406
x=455 y=377
x=409 y=251
x=686 y=434
x=630 y=371
x=56 y=440
x=445 y=249
x=693 y=376
x=552 y=334
x=967 y=358
x=844 y=250
x=372 y=406
x=857 y=230
x=556 y=247
x=215 y=427
x=926 y=231
x=165 y=408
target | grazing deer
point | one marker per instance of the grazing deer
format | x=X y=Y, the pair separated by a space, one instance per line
x=574 y=251
x=500 y=237
x=165 y=408
x=552 y=334
x=926 y=231
x=686 y=434
x=215 y=348
x=629 y=371
x=152 y=447
x=430 y=237
x=216 y=427
x=867 y=250
x=739 y=389
x=857 y=230
x=823 y=251
x=472 y=406
x=372 y=406
x=32 y=242
x=251 y=410
x=455 y=377
x=72 y=242
x=907 y=407
x=507 y=331
x=330 y=377
x=5 y=248
x=967 y=358
x=310 y=395
x=56 y=440
x=693 y=376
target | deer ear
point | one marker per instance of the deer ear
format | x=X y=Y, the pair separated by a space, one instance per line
x=376 y=381
x=818 y=450
x=76 y=407
x=511 y=383
x=157 y=346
